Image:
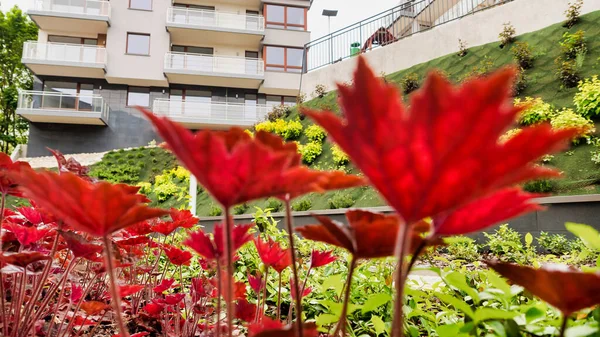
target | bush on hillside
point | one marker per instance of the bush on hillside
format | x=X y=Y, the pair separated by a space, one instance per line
x=240 y=209
x=572 y=13
x=587 y=99
x=523 y=54
x=320 y=90
x=287 y=129
x=567 y=118
x=274 y=205
x=540 y=186
x=462 y=48
x=341 y=200
x=537 y=111
x=302 y=205
x=507 y=35
x=278 y=112
x=310 y=152
x=215 y=210
x=573 y=44
x=315 y=133
x=520 y=82
x=483 y=68
x=339 y=156
x=410 y=83
x=567 y=72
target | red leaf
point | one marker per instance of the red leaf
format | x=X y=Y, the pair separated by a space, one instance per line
x=567 y=289
x=79 y=246
x=443 y=151
x=177 y=256
x=255 y=283
x=132 y=241
x=183 y=218
x=130 y=289
x=28 y=235
x=213 y=249
x=98 y=209
x=140 y=228
x=23 y=259
x=71 y=165
x=164 y=285
x=272 y=254
x=320 y=259
x=245 y=311
x=164 y=227
x=94 y=307
x=153 y=309
x=76 y=292
x=270 y=328
x=174 y=299
x=8 y=184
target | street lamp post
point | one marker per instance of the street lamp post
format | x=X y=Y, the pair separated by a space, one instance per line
x=329 y=13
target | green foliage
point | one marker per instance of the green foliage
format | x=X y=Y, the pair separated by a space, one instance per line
x=121 y=172
x=310 y=152
x=484 y=67
x=595 y=157
x=287 y=129
x=557 y=244
x=567 y=72
x=572 y=13
x=410 y=83
x=240 y=209
x=537 y=111
x=302 y=205
x=463 y=247
x=274 y=205
x=339 y=156
x=215 y=210
x=341 y=200
x=523 y=54
x=573 y=44
x=567 y=118
x=15 y=29
x=315 y=133
x=540 y=186
x=587 y=99
x=507 y=244
x=507 y=35
x=172 y=183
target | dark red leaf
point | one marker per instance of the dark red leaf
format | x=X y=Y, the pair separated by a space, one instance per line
x=8 y=183
x=130 y=289
x=272 y=254
x=28 y=235
x=94 y=307
x=245 y=311
x=164 y=285
x=23 y=259
x=79 y=246
x=177 y=256
x=320 y=259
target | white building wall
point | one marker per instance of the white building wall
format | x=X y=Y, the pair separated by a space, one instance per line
x=478 y=29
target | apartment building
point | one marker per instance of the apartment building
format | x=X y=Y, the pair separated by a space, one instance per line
x=209 y=64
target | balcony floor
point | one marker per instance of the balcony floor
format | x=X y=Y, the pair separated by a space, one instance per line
x=67 y=69
x=70 y=22
x=61 y=116
x=190 y=35
x=191 y=77
x=196 y=123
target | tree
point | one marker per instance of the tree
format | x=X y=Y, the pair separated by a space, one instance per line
x=15 y=29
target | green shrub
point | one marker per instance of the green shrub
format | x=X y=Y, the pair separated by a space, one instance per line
x=483 y=68
x=341 y=200
x=288 y=130
x=152 y=153
x=215 y=211
x=523 y=54
x=339 y=156
x=520 y=82
x=540 y=186
x=595 y=157
x=567 y=118
x=537 y=111
x=462 y=247
x=302 y=205
x=240 y=209
x=310 y=152
x=587 y=99
x=172 y=183
x=557 y=244
x=131 y=162
x=462 y=48
x=120 y=173
x=507 y=244
x=315 y=133
x=145 y=187
x=121 y=161
x=573 y=44
x=567 y=72
x=410 y=83
x=277 y=112
x=130 y=155
x=572 y=13
x=509 y=134
x=507 y=35
x=140 y=155
x=274 y=205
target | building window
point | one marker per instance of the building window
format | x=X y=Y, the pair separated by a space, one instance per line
x=285 y=17
x=283 y=59
x=68 y=95
x=273 y=101
x=138 y=44
x=138 y=96
x=141 y=4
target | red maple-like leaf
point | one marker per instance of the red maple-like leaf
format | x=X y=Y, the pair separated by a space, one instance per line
x=130 y=289
x=154 y=309
x=174 y=299
x=8 y=184
x=482 y=213
x=239 y=288
x=132 y=241
x=23 y=259
x=71 y=165
x=98 y=209
x=565 y=288
x=140 y=228
x=272 y=254
x=183 y=218
x=94 y=307
x=79 y=246
x=28 y=235
x=443 y=151
x=302 y=180
x=164 y=285
x=164 y=227
x=305 y=292
x=268 y=327
x=255 y=283
x=212 y=249
x=178 y=256
x=320 y=259
x=245 y=311
x=76 y=292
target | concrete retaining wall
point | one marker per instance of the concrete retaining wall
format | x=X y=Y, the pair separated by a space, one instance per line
x=578 y=208
x=477 y=29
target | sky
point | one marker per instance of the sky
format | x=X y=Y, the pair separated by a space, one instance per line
x=350 y=11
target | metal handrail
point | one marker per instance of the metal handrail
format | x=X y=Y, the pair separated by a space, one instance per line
x=88 y=7
x=211 y=112
x=65 y=52
x=214 y=63
x=62 y=102
x=392 y=25
x=215 y=19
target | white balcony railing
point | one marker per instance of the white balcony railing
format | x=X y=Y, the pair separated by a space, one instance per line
x=64 y=53
x=211 y=112
x=78 y=7
x=62 y=104
x=247 y=67
x=199 y=18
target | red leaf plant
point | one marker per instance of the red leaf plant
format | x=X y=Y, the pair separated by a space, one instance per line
x=245 y=311
x=212 y=249
x=98 y=209
x=71 y=165
x=178 y=256
x=273 y=256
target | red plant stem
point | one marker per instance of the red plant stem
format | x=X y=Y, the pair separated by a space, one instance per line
x=416 y=254
x=342 y=321
x=19 y=302
x=114 y=287
x=2 y=292
x=219 y=292
x=298 y=299
x=60 y=295
x=279 y=299
x=85 y=293
x=289 y=320
x=182 y=291
x=264 y=297
x=398 y=319
x=229 y=245
x=95 y=326
x=2 y=206
x=563 y=326
x=258 y=299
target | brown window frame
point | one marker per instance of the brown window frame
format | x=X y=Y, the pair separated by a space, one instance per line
x=127 y=97
x=285 y=66
x=141 y=9
x=285 y=24
x=127 y=43
x=78 y=88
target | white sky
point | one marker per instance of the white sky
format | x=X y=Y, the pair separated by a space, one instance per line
x=350 y=11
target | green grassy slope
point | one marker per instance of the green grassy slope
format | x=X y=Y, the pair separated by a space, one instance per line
x=581 y=175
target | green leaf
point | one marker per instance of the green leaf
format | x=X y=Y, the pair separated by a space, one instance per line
x=378 y=324
x=534 y=314
x=457 y=280
x=456 y=303
x=448 y=330
x=375 y=301
x=484 y=314
x=334 y=281
x=580 y=331
x=497 y=328
x=587 y=234
x=498 y=282
x=326 y=319
x=528 y=239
